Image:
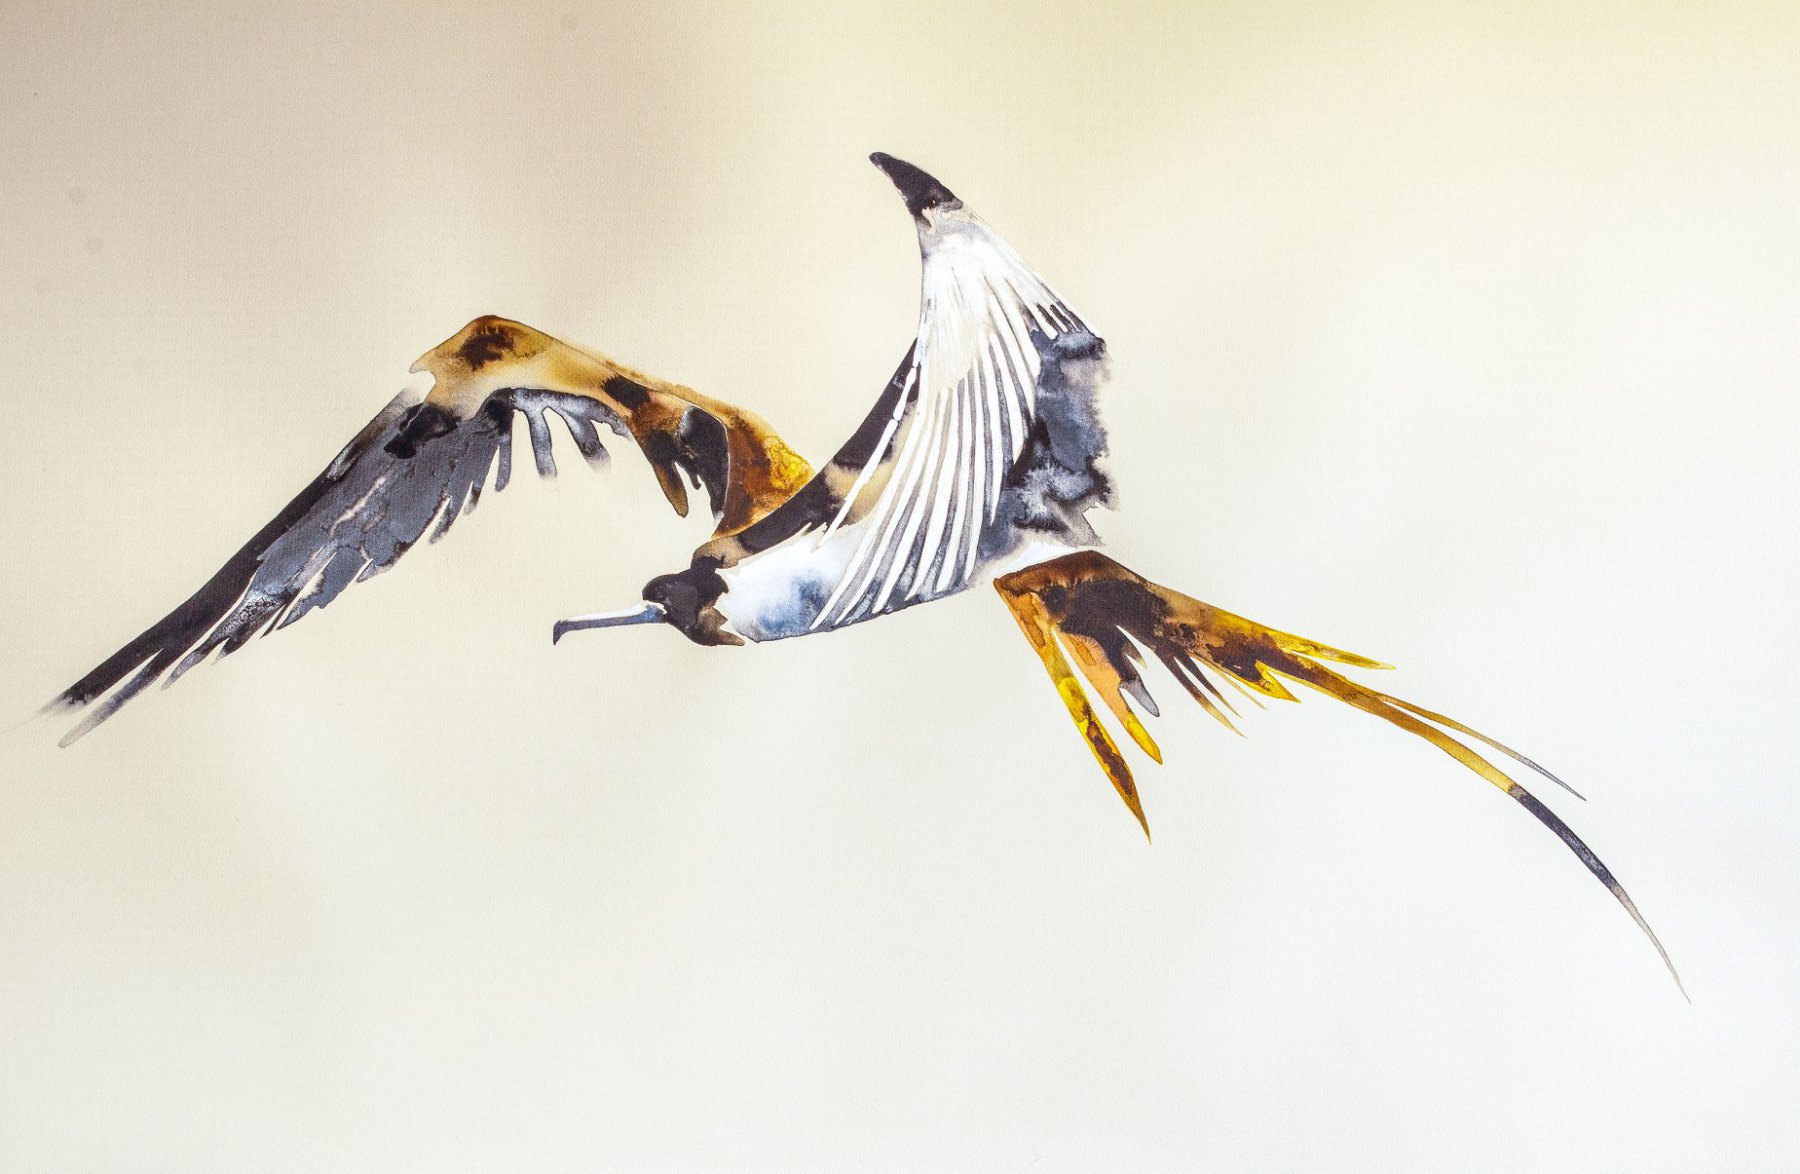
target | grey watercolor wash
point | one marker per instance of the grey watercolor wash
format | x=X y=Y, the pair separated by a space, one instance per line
x=357 y=519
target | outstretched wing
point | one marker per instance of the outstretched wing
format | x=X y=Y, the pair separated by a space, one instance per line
x=947 y=492
x=1103 y=614
x=986 y=437
x=419 y=464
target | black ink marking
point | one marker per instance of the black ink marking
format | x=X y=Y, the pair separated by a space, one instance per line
x=919 y=189
x=486 y=344
x=425 y=422
x=627 y=393
x=706 y=452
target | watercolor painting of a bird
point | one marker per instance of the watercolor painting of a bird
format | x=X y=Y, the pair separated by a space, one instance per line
x=978 y=465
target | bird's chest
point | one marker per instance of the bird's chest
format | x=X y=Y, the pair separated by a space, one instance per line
x=784 y=591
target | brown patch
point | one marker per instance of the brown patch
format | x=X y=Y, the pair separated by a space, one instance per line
x=746 y=468
x=488 y=342
x=629 y=393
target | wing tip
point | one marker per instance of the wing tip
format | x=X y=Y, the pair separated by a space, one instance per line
x=61 y=705
x=82 y=728
x=68 y=701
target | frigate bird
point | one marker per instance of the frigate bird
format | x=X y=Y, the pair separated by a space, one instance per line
x=979 y=463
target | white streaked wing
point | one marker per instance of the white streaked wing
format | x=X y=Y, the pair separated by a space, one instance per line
x=976 y=363
x=394 y=484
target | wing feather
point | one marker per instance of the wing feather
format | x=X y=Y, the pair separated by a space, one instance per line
x=422 y=462
x=986 y=324
x=355 y=520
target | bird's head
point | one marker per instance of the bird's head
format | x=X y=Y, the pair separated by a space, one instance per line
x=685 y=602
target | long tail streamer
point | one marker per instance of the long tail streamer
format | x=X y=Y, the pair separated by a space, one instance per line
x=1087 y=609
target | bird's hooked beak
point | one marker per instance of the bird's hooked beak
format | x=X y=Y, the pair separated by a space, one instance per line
x=919 y=189
x=644 y=613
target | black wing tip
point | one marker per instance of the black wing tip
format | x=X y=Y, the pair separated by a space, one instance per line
x=919 y=188
x=68 y=701
x=96 y=705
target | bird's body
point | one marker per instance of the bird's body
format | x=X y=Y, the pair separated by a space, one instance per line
x=982 y=455
x=978 y=463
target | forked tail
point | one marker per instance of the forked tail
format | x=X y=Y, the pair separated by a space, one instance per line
x=1101 y=613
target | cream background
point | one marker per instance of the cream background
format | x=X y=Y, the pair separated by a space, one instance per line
x=1461 y=336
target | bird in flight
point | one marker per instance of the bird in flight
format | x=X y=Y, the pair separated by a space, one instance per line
x=978 y=463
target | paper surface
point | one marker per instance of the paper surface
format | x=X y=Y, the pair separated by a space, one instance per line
x=1467 y=341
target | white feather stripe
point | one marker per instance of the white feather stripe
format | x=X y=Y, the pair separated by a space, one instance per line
x=1018 y=403
x=980 y=452
x=943 y=459
x=991 y=415
x=922 y=499
x=944 y=486
x=922 y=482
x=1024 y=354
x=919 y=484
x=973 y=480
x=878 y=457
x=983 y=489
x=895 y=502
x=963 y=483
x=953 y=488
x=1006 y=426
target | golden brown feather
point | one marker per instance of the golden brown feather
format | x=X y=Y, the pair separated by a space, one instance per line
x=1102 y=612
x=492 y=354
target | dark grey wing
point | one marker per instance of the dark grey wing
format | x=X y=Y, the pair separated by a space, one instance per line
x=411 y=471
